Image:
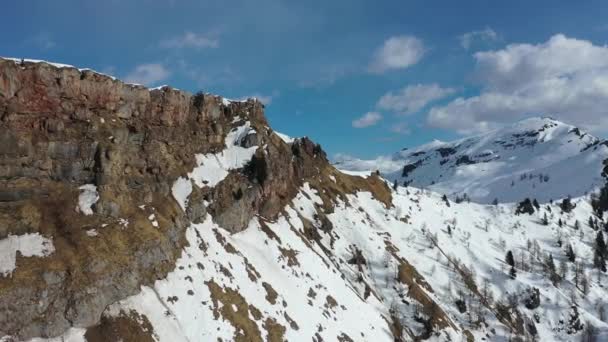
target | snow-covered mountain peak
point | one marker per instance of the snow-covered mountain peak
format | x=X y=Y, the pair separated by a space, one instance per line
x=536 y=157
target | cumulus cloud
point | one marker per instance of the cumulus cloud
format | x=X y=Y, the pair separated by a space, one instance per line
x=564 y=78
x=485 y=35
x=148 y=74
x=397 y=52
x=413 y=98
x=368 y=119
x=190 y=40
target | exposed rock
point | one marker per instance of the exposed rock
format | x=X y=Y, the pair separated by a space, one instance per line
x=62 y=128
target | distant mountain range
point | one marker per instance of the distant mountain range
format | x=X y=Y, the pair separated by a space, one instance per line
x=538 y=157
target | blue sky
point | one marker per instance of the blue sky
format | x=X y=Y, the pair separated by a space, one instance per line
x=362 y=78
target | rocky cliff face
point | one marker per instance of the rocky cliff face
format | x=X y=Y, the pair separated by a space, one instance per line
x=83 y=154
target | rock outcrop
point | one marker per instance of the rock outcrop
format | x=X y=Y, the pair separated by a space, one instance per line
x=62 y=128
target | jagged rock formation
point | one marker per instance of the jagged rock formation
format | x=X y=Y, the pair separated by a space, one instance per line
x=62 y=128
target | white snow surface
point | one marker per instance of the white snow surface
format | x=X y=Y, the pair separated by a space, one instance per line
x=212 y=168
x=286 y=138
x=309 y=275
x=538 y=158
x=304 y=273
x=27 y=245
x=87 y=198
x=181 y=190
x=72 y=335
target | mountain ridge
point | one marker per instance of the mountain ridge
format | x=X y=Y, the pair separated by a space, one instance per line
x=486 y=166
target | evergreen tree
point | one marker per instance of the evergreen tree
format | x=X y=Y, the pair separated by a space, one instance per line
x=599 y=252
x=545 y=220
x=567 y=205
x=535 y=204
x=600 y=244
x=552 y=273
x=578 y=273
x=511 y=262
x=570 y=253
x=395 y=185
x=584 y=283
x=563 y=269
x=560 y=223
x=444 y=198
x=598 y=261
x=495 y=202
x=509 y=259
x=577 y=225
x=591 y=223
x=525 y=207
x=513 y=273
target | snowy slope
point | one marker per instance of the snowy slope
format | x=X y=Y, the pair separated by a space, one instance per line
x=538 y=158
x=274 y=279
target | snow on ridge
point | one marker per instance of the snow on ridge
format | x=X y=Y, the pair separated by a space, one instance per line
x=537 y=157
x=348 y=164
x=363 y=174
x=225 y=101
x=286 y=138
x=28 y=245
x=87 y=198
x=26 y=60
x=56 y=65
x=212 y=168
x=181 y=190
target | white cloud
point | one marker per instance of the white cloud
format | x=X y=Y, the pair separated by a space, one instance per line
x=397 y=53
x=265 y=99
x=42 y=40
x=148 y=74
x=325 y=76
x=564 y=78
x=190 y=40
x=485 y=35
x=413 y=98
x=367 y=120
x=401 y=128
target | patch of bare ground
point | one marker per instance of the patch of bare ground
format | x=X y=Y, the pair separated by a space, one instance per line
x=225 y=300
x=275 y=330
x=271 y=294
x=126 y=327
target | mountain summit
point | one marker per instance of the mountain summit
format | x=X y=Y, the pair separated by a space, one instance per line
x=538 y=158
